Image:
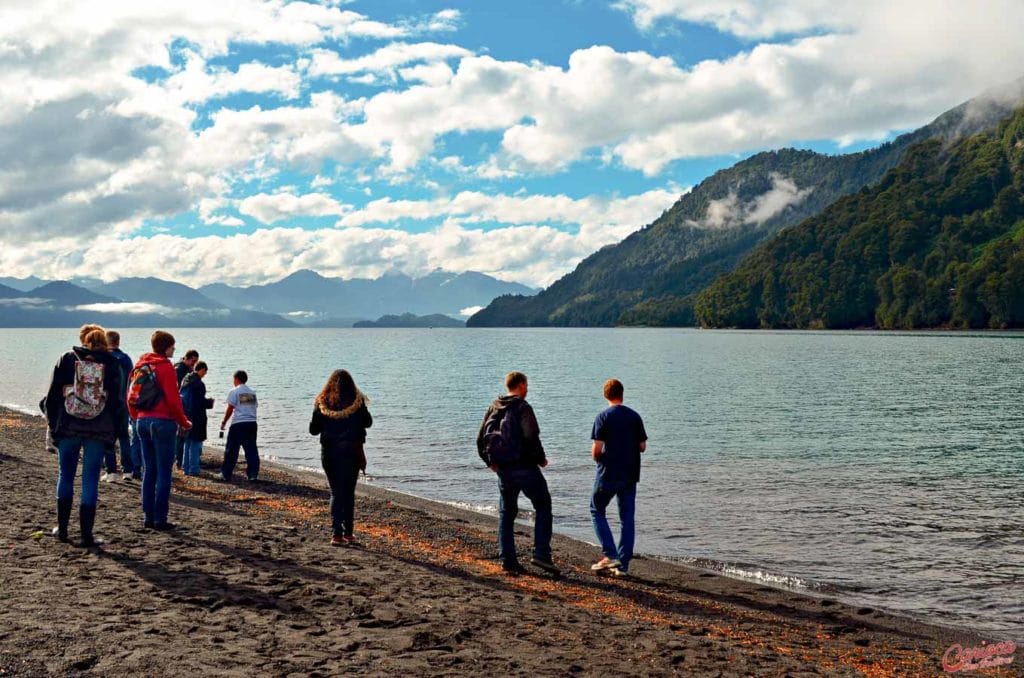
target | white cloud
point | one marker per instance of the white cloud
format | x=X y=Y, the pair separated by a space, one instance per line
x=385 y=60
x=630 y=212
x=750 y=18
x=197 y=82
x=123 y=307
x=728 y=211
x=470 y=310
x=270 y=207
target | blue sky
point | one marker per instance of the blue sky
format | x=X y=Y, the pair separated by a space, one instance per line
x=244 y=141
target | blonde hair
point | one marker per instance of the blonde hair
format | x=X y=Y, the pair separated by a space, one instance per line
x=95 y=340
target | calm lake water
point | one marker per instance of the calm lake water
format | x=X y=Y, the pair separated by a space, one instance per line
x=883 y=469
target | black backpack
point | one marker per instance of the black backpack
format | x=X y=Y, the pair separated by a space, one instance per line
x=502 y=443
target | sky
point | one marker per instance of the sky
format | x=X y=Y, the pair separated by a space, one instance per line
x=243 y=140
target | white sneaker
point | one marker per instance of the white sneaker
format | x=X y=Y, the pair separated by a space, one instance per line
x=109 y=477
x=126 y=476
x=606 y=563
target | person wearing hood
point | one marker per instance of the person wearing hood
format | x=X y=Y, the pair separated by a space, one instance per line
x=154 y=401
x=83 y=406
x=195 y=402
x=340 y=418
x=509 y=443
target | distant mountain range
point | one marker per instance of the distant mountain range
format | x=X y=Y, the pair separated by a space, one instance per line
x=302 y=299
x=306 y=296
x=652 y=277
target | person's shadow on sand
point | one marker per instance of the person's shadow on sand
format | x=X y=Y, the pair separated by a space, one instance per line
x=198 y=588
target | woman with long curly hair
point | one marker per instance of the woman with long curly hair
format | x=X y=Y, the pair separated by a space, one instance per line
x=340 y=418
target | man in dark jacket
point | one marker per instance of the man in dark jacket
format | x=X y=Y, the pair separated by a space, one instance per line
x=127 y=440
x=182 y=369
x=518 y=470
x=83 y=406
x=195 y=402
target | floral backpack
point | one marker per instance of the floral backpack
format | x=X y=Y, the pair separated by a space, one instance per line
x=86 y=398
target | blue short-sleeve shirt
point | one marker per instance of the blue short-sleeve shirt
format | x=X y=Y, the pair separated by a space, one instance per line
x=621 y=430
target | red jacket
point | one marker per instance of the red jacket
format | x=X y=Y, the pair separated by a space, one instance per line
x=170 y=406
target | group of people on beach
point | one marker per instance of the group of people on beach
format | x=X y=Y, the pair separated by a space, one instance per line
x=156 y=413
x=153 y=411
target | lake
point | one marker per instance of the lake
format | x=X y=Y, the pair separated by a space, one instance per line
x=884 y=469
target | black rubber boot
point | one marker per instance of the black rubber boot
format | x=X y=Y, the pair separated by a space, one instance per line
x=87 y=517
x=63 y=516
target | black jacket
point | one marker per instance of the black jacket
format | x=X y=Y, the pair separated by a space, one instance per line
x=63 y=425
x=181 y=370
x=345 y=427
x=193 y=391
x=530 y=447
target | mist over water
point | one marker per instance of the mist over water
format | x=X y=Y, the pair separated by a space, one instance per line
x=884 y=469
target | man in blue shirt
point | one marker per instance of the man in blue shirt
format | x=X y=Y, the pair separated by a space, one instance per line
x=619 y=440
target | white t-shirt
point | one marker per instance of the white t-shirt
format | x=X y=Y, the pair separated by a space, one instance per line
x=243 y=399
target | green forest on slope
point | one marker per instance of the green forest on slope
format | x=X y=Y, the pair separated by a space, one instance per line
x=652 y=277
x=939 y=242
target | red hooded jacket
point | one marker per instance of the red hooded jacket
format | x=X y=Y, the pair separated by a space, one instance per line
x=170 y=406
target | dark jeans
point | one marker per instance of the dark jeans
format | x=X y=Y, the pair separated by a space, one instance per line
x=136 y=450
x=68 y=451
x=341 y=464
x=110 y=458
x=625 y=493
x=241 y=435
x=129 y=460
x=179 y=451
x=529 y=481
x=157 y=438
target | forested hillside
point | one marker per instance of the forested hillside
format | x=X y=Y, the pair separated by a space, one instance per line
x=938 y=242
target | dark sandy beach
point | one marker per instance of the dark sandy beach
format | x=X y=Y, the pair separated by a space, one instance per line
x=249 y=586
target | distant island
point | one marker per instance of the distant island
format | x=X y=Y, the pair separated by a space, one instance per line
x=411 y=320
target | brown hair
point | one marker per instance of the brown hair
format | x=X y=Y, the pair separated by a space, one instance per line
x=85 y=330
x=161 y=341
x=95 y=340
x=613 y=389
x=191 y=353
x=514 y=379
x=113 y=339
x=339 y=392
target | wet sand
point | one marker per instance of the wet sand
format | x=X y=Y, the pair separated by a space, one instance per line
x=248 y=585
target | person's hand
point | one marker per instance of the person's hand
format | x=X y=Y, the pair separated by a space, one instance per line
x=187 y=426
x=544 y=464
x=493 y=467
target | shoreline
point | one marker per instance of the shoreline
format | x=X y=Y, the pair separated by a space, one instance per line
x=753 y=574
x=251 y=583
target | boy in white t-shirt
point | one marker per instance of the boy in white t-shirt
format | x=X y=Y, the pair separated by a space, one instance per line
x=241 y=411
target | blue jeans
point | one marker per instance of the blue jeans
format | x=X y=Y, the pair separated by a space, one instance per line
x=625 y=493
x=529 y=481
x=193 y=454
x=158 y=439
x=92 y=463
